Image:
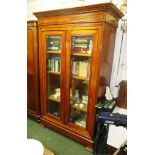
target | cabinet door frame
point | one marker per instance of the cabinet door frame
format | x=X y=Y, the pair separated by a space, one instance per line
x=93 y=81
x=43 y=71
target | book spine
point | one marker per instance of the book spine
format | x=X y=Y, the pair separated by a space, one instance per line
x=56 y=64
x=52 y=62
x=59 y=65
x=49 y=64
x=88 y=74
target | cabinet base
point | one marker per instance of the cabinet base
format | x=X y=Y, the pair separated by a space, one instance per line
x=65 y=130
x=89 y=149
x=42 y=125
x=33 y=115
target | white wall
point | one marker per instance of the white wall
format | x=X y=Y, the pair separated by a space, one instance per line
x=119 y=68
x=119 y=72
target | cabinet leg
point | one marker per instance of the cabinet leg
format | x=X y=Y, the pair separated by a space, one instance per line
x=89 y=149
x=42 y=125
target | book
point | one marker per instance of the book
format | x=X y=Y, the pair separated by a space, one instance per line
x=81 y=68
x=54 y=64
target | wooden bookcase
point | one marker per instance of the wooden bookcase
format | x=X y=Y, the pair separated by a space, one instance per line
x=76 y=48
x=33 y=105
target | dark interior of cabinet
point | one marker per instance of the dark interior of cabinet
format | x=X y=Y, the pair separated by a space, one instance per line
x=54 y=109
x=53 y=83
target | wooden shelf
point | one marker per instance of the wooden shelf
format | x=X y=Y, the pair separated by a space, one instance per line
x=80 y=78
x=54 y=99
x=84 y=109
x=56 y=73
x=81 y=54
x=53 y=52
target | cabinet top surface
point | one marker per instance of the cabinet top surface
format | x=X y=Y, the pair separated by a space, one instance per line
x=104 y=7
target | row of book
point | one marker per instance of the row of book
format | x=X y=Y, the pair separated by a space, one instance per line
x=81 y=68
x=82 y=45
x=80 y=40
x=54 y=64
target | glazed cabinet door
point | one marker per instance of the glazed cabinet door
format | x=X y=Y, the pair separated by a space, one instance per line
x=52 y=63
x=81 y=58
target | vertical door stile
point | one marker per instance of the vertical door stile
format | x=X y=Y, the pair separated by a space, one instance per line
x=67 y=76
x=63 y=71
x=42 y=70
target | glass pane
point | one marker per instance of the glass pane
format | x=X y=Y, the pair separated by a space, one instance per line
x=53 y=61
x=80 y=74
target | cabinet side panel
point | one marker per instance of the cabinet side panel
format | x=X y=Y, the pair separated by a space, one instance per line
x=109 y=35
x=32 y=70
x=42 y=72
x=30 y=51
x=36 y=65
